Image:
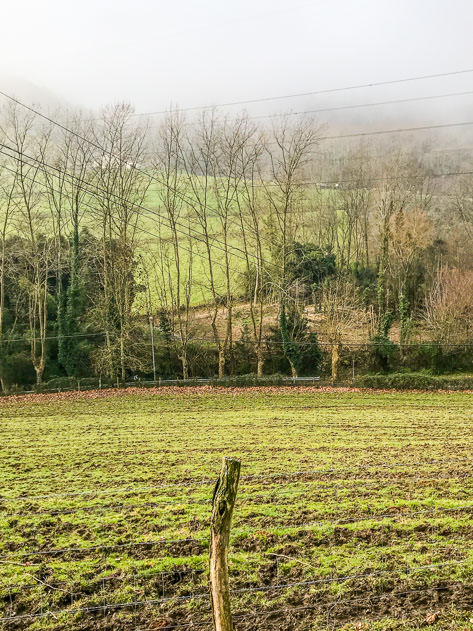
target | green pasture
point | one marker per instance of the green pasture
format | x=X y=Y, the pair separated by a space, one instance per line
x=354 y=508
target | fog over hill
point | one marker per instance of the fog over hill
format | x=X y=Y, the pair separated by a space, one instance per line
x=32 y=94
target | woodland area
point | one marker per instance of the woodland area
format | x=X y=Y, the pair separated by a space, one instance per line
x=220 y=246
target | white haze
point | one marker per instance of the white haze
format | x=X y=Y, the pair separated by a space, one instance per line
x=186 y=53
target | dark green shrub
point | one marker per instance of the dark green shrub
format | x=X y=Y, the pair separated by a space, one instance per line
x=415 y=381
x=17 y=369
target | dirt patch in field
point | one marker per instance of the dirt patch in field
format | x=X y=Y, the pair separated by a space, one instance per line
x=305 y=610
x=185 y=391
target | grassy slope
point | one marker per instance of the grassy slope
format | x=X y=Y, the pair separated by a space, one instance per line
x=135 y=441
x=201 y=292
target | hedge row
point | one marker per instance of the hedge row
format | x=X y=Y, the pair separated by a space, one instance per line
x=415 y=381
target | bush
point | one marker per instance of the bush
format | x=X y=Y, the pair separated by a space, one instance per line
x=251 y=379
x=415 y=381
x=383 y=351
x=17 y=370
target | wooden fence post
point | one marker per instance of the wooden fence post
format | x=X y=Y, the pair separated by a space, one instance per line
x=222 y=509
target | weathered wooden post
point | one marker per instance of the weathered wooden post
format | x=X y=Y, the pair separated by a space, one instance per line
x=222 y=509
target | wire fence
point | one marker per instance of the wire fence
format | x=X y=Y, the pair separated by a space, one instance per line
x=280 y=477
x=73 y=588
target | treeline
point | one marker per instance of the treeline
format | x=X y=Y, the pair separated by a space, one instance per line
x=214 y=246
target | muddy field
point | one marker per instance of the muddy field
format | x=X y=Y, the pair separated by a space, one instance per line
x=354 y=509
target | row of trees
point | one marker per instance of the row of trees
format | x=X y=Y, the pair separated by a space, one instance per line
x=109 y=224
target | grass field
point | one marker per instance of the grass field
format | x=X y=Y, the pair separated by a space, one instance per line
x=354 y=509
x=152 y=235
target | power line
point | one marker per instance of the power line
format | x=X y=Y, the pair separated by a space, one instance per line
x=396 y=130
x=5 y=340
x=184 y=197
x=217 y=263
x=186 y=231
x=139 y=228
x=302 y=94
x=363 y=105
x=103 y=150
x=358 y=105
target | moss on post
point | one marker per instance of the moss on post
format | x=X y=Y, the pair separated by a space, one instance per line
x=222 y=510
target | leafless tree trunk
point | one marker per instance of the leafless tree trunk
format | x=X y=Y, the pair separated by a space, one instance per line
x=172 y=193
x=121 y=187
x=27 y=146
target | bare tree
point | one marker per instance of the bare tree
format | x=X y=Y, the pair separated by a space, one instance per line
x=355 y=193
x=411 y=233
x=121 y=186
x=251 y=205
x=402 y=187
x=27 y=144
x=449 y=306
x=199 y=153
x=8 y=188
x=172 y=192
x=341 y=307
x=288 y=150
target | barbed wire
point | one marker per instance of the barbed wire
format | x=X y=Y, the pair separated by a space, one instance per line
x=250 y=477
x=242 y=500
x=289 y=608
x=235 y=534
x=275 y=587
x=104 y=607
x=101 y=580
x=105 y=508
x=137 y=448
x=348 y=601
x=96 y=548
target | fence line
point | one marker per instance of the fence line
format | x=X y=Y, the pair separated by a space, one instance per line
x=235 y=533
x=104 y=579
x=104 y=607
x=278 y=479
x=244 y=500
x=350 y=520
x=114 y=490
x=119 y=446
x=104 y=508
x=349 y=601
x=114 y=546
x=264 y=588
x=289 y=609
x=254 y=477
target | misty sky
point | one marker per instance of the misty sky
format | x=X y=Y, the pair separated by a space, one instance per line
x=153 y=52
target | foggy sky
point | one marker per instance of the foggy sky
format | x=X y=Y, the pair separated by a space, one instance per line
x=153 y=53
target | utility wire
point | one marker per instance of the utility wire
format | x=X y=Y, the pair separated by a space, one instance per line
x=354 y=106
x=302 y=94
x=6 y=340
x=184 y=197
x=397 y=130
x=363 y=105
x=144 y=230
x=186 y=230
